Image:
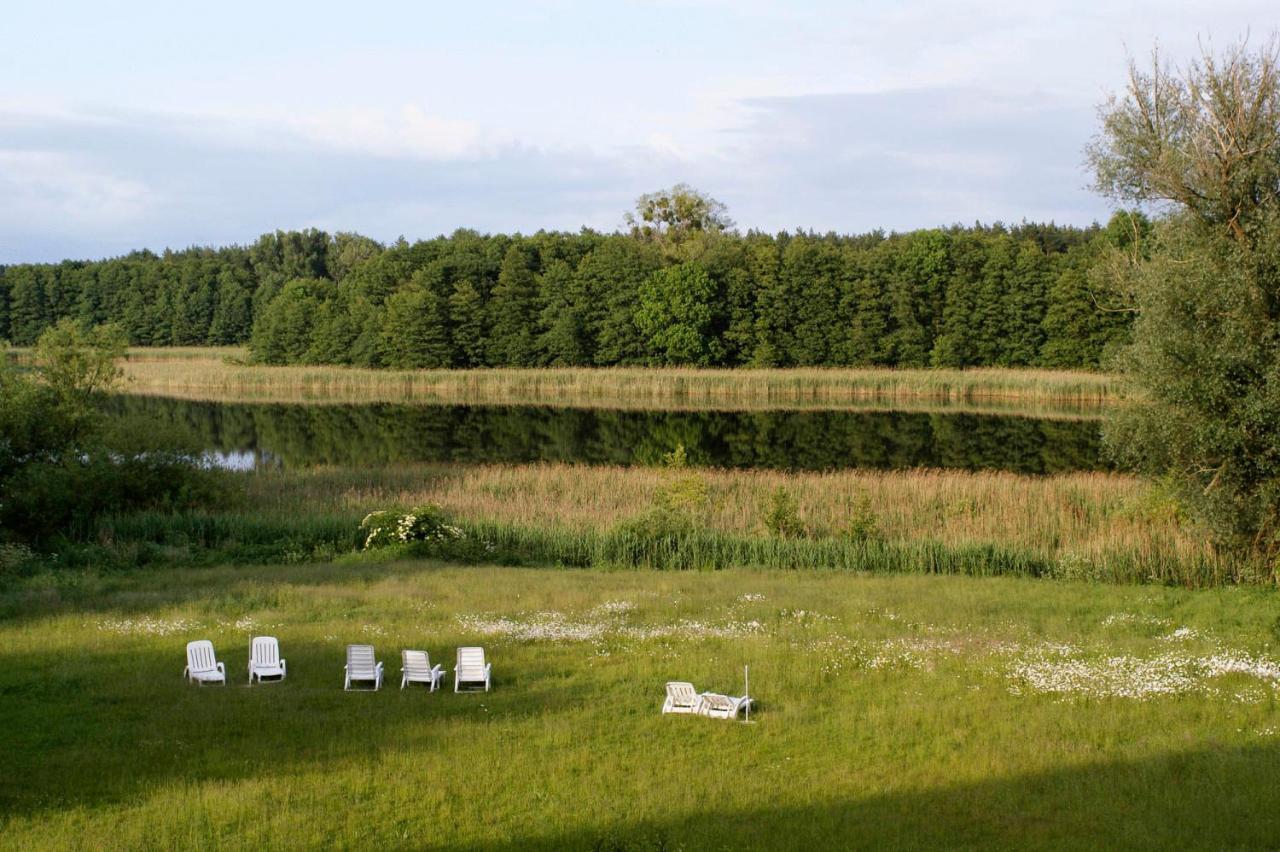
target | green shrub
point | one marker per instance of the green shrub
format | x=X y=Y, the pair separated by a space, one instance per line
x=863 y=524
x=782 y=518
x=426 y=525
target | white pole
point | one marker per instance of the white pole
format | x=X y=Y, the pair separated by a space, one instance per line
x=746 y=688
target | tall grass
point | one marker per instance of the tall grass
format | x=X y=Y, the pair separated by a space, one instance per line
x=218 y=375
x=1082 y=526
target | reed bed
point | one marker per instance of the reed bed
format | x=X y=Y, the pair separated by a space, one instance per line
x=1090 y=516
x=219 y=375
x=1079 y=526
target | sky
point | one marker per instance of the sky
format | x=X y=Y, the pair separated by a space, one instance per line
x=159 y=124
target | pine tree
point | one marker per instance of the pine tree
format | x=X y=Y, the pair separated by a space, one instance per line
x=512 y=311
x=415 y=329
x=561 y=342
x=467 y=317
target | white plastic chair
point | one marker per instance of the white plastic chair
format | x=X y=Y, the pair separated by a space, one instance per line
x=362 y=666
x=264 y=659
x=202 y=664
x=471 y=668
x=718 y=706
x=681 y=698
x=415 y=667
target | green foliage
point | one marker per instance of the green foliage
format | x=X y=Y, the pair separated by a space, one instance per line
x=676 y=316
x=425 y=527
x=1205 y=351
x=681 y=504
x=415 y=329
x=782 y=516
x=863 y=525
x=680 y=288
x=60 y=468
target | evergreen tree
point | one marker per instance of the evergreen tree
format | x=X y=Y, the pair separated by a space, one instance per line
x=561 y=342
x=415 y=329
x=467 y=316
x=513 y=311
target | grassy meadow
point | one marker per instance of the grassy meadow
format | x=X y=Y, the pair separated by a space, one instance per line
x=893 y=712
x=220 y=374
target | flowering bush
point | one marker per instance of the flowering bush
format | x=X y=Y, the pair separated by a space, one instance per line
x=422 y=525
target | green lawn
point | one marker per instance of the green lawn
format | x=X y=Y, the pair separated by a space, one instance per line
x=899 y=711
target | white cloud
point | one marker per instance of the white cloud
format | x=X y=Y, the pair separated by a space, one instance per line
x=55 y=189
x=407 y=132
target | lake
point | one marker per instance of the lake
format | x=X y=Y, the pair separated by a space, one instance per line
x=293 y=435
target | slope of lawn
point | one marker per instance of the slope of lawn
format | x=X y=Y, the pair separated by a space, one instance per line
x=898 y=711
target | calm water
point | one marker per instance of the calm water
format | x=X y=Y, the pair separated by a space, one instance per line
x=293 y=435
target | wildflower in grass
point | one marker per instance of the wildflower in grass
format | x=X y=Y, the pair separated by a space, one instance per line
x=426 y=524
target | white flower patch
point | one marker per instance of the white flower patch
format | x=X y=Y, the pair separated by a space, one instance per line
x=750 y=597
x=1182 y=634
x=539 y=627
x=1126 y=676
x=148 y=626
x=614 y=608
x=1134 y=618
x=805 y=615
x=557 y=627
x=690 y=629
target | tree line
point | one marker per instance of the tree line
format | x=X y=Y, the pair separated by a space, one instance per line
x=679 y=292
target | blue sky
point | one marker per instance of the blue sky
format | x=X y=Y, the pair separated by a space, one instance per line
x=174 y=124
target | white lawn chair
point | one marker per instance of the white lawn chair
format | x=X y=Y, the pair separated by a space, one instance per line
x=415 y=667
x=471 y=668
x=362 y=666
x=264 y=659
x=718 y=706
x=202 y=664
x=681 y=698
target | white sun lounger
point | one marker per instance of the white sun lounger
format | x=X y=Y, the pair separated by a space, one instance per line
x=202 y=664
x=362 y=666
x=264 y=659
x=415 y=667
x=681 y=698
x=471 y=668
x=718 y=706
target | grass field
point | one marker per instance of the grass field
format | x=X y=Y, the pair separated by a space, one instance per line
x=894 y=712
x=220 y=374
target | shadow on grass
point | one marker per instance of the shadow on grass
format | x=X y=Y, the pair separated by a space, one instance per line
x=104 y=727
x=140 y=590
x=1210 y=798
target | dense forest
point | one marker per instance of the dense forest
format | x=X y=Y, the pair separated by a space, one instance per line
x=994 y=295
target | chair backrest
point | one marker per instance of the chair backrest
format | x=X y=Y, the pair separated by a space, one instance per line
x=471 y=662
x=361 y=664
x=417 y=664
x=717 y=703
x=682 y=694
x=200 y=656
x=264 y=651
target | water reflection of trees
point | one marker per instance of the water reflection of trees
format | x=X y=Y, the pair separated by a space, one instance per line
x=806 y=440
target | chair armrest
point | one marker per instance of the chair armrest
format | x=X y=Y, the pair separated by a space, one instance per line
x=283 y=667
x=344 y=668
x=378 y=667
x=487 y=668
x=437 y=670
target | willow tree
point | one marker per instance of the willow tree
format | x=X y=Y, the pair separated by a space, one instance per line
x=1201 y=144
